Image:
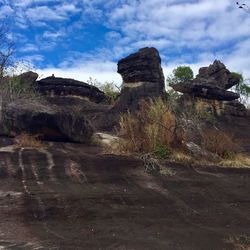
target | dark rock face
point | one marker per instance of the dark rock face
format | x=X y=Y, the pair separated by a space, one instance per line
x=51 y=86
x=47 y=121
x=143 y=66
x=28 y=77
x=217 y=75
x=205 y=91
x=142 y=78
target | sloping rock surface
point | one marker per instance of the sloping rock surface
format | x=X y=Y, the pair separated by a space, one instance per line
x=51 y=86
x=67 y=196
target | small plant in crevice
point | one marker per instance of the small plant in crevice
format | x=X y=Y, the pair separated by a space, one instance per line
x=162 y=152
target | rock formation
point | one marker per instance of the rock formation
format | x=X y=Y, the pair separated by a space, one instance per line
x=48 y=121
x=55 y=86
x=28 y=77
x=210 y=87
x=142 y=77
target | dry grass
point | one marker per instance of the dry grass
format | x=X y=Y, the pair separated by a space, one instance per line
x=26 y=140
x=238 y=161
x=216 y=141
x=152 y=126
x=179 y=156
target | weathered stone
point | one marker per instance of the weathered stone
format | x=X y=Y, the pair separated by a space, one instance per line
x=200 y=153
x=143 y=66
x=205 y=91
x=55 y=86
x=47 y=121
x=142 y=78
x=217 y=75
x=28 y=77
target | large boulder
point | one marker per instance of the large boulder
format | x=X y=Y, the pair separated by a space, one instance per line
x=48 y=121
x=209 y=90
x=28 y=77
x=217 y=75
x=212 y=82
x=56 y=86
x=142 y=78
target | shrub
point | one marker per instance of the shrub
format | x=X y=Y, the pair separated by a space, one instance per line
x=162 y=151
x=26 y=140
x=151 y=130
x=216 y=141
x=110 y=90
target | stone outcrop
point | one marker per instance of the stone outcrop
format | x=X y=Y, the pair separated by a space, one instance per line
x=48 y=121
x=142 y=78
x=28 y=77
x=210 y=90
x=212 y=82
x=205 y=91
x=55 y=86
x=217 y=75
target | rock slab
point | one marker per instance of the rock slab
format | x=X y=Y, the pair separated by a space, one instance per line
x=56 y=86
x=47 y=121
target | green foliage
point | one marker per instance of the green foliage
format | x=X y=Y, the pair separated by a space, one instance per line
x=162 y=151
x=183 y=73
x=180 y=74
x=110 y=90
x=242 y=88
x=13 y=88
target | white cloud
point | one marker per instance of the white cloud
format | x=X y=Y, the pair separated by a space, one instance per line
x=100 y=70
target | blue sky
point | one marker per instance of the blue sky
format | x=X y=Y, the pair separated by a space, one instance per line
x=83 y=38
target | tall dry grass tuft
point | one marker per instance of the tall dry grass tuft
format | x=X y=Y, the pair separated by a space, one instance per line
x=216 y=141
x=149 y=129
x=25 y=140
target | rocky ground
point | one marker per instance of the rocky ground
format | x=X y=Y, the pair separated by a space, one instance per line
x=69 y=196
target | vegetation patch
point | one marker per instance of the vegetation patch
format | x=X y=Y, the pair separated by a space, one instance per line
x=25 y=140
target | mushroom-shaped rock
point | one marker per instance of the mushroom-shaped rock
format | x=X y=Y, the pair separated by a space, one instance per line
x=142 y=78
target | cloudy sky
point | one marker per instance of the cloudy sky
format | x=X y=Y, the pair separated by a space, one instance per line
x=86 y=38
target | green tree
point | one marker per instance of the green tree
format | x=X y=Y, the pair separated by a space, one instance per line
x=183 y=73
x=243 y=87
x=110 y=89
x=180 y=74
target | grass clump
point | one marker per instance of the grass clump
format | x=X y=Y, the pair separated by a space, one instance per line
x=216 y=141
x=152 y=129
x=26 y=140
x=237 y=161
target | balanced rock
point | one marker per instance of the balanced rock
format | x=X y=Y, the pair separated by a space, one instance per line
x=142 y=78
x=212 y=82
x=48 y=121
x=216 y=75
x=55 y=86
